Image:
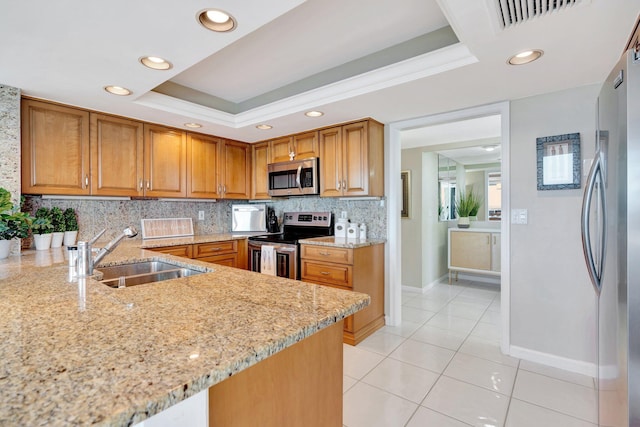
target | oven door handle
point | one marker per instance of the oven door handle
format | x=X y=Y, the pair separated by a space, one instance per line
x=282 y=249
x=298 y=183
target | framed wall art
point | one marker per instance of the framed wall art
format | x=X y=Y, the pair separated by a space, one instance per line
x=405 y=177
x=558 y=162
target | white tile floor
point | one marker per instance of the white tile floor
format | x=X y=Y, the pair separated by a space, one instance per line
x=442 y=367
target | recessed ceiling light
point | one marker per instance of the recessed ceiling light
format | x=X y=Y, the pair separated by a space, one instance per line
x=489 y=147
x=525 y=57
x=216 y=20
x=193 y=125
x=264 y=127
x=118 y=90
x=314 y=113
x=156 y=62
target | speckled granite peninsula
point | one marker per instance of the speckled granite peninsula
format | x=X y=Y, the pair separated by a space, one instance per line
x=81 y=353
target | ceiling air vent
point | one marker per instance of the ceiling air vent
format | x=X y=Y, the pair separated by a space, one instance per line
x=512 y=12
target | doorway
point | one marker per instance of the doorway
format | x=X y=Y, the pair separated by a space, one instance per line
x=394 y=189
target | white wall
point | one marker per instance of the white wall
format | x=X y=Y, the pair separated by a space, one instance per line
x=552 y=303
x=412 y=226
x=434 y=232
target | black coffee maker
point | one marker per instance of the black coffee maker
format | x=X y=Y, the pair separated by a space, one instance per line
x=272 y=221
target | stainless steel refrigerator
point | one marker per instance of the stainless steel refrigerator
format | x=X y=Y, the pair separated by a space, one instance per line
x=611 y=241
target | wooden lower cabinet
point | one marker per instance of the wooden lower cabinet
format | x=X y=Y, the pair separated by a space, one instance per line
x=474 y=251
x=354 y=269
x=232 y=253
x=299 y=386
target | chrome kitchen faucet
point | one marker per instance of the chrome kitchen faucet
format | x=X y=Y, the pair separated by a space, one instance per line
x=86 y=262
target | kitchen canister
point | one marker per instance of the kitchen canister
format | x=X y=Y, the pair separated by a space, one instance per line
x=340 y=229
x=353 y=231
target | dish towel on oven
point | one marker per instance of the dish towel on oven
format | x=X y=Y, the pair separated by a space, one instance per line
x=268 y=260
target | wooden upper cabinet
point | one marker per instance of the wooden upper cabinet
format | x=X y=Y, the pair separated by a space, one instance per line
x=352 y=161
x=165 y=154
x=305 y=145
x=280 y=149
x=203 y=180
x=259 y=179
x=235 y=166
x=55 y=149
x=331 y=162
x=117 y=162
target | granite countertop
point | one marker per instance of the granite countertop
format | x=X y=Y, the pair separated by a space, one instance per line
x=341 y=242
x=76 y=352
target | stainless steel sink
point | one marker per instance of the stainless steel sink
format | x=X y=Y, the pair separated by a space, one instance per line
x=120 y=276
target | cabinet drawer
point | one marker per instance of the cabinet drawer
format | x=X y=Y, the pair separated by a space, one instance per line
x=215 y=248
x=180 y=250
x=228 y=260
x=323 y=273
x=328 y=254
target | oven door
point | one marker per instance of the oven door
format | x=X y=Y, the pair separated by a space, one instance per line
x=286 y=259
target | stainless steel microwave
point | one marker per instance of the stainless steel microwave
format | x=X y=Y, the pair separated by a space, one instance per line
x=294 y=178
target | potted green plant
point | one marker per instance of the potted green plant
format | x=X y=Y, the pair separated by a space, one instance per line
x=477 y=203
x=464 y=205
x=42 y=229
x=13 y=223
x=71 y=227
x=57 y=222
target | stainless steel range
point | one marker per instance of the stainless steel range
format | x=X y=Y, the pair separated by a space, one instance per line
x=285 y=246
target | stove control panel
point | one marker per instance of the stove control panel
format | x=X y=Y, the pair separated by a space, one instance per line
x=308 y=219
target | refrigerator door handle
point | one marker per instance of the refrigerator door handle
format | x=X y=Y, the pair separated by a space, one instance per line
x=595 y=270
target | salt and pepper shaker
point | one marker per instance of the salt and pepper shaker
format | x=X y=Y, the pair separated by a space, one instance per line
x=363 y=231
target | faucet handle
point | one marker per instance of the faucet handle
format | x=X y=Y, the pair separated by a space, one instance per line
x=97 y=236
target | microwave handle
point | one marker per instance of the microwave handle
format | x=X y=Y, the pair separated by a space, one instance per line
x=298 y=183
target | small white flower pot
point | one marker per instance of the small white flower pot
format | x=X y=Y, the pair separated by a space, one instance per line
x=42 y=241
x=5 y=245
x=70 y=238
x=56 y=239
x=463 y=222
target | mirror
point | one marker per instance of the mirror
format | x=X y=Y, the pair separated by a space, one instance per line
x=474 y=169
x=446 y=188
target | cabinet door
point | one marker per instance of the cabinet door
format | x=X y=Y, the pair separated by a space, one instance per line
x=165 y=154
x=55 y=149
x=280 y=149
x=179 y=250
x=203 y=180
x=116 y=156
x=259 y=160
x=305 y=145
x=470 y=250
x=330 y=146
x=496 y=245
x=355 y=166
x=237 y=175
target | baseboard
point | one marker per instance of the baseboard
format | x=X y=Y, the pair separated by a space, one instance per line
x=425 y=288
x=572 y=365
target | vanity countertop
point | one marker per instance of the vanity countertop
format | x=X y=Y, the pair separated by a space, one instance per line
x=76 y=352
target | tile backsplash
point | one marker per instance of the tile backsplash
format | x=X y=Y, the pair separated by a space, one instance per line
x=115 y=215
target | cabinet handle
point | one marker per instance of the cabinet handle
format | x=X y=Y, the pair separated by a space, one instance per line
x=339 y=185
x=344 y=184
x=324 y=253
x=149 y=185
x=86 y=181
x=141 y=183
x=216 y=249
x=488 y=240
x=324 y=273
x=224 y=189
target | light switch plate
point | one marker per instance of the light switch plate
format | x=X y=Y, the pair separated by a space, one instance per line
x=519 y=216
x=200 y=215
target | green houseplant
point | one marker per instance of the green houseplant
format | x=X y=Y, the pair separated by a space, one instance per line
x=464 y=206
x=42 y=229
x=58 y=224
x=71 y=227
x=477 y=203
x=13 y=223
